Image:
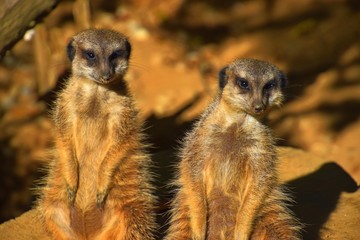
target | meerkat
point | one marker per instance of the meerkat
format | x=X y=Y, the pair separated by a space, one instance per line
x=227 y=183
x=99 y=185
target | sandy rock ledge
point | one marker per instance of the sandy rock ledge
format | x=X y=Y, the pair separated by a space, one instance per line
x=327 y=200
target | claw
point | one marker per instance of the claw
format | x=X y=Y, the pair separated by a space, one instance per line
x=100 y=199
x=71 y=193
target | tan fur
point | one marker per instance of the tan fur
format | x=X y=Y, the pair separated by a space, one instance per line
x=98 y=186
x=227 y=185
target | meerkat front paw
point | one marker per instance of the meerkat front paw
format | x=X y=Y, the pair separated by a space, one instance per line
x=102 y=189
x=71 y=193
x=100 y=198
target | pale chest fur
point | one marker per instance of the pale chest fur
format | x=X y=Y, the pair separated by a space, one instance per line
x=93 y=112
x=92 y=115
x=232 y=155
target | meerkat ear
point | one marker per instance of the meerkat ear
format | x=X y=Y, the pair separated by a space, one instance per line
x=222 y=78
x=70 y=50
x=128 y=48
x=283 y=80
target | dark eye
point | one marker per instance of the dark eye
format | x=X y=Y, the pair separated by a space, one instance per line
x=90 y=55
x=116 y=54
x=243 y=83
x=270 y=85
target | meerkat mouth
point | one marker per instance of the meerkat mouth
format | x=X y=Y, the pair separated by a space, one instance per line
x=105 y=81
x=109 y=81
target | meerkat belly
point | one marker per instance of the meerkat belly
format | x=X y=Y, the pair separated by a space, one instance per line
x=227 y=165
x=222 y=210
x=229 y=173
x=222 y=195
x=92 y=143
x=225 y=175
x=225 y=180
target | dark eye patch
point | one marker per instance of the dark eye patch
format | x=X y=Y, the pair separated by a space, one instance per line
x=243 y=83
x=270 y=85
x=116 y=54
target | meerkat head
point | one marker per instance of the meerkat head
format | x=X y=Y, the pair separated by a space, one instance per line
x=252 y=86
x=99 y=55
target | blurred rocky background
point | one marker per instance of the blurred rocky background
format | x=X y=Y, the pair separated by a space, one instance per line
x=178 y=48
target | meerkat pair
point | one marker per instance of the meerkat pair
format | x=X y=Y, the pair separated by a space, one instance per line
x=99 y=184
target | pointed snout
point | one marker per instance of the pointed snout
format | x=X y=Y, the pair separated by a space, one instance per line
x=106 y=73
x=106 y=76
x=259 y=107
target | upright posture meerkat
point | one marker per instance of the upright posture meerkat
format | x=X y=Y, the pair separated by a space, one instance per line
x=228 y=183
x=98 y=185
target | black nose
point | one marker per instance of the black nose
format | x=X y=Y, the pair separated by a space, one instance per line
x=106 y=76
x=259 y=108
x=106 y=73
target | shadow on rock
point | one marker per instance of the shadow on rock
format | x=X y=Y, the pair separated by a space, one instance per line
x=166 y=132
x=316 y=196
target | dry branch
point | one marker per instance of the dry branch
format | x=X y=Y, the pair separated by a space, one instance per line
x=17 y=16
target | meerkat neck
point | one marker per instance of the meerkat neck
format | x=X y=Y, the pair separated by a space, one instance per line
x=119 y=85
x=226 y=116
